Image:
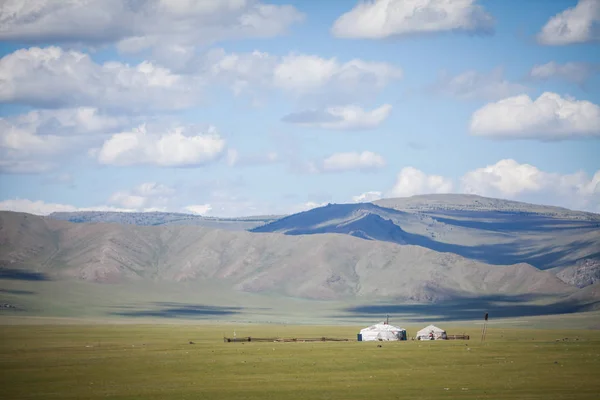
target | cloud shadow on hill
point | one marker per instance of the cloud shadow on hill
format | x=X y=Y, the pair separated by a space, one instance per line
x=378 y=224
x=22 y=275
x=180 y=310
x=498 y=306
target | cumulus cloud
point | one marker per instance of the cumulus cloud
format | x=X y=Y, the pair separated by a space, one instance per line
x=510 y=179
x=40 y=207
x=577 y=24
x=53 y=78
x=575 y=72
x=380 y=19
x=136 y=25
x=367 y=160
x=348 y=117
x=549 y=117
x=473 y=85
x=306 y=73
x=70 y=121
x=33 y=142
x=411 y=181
x=149 y=196
x=309 y=205
x=300 y=75
x=177 y=147
x=198 y=209
x=367 y=197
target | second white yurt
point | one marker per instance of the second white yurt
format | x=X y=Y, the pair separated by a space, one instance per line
x=383 y=332
x=431 y=332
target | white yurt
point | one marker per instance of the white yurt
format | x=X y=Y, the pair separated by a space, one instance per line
x=431 y=332
x=381 y=331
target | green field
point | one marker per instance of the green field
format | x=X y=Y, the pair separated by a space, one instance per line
x=126 y=361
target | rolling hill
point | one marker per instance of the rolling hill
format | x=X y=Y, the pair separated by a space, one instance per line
x=327 y=266
x=163 y=218
x=489 y=230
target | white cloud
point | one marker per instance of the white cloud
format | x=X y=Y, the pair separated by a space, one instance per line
x=505 y=178
x=472 y=85
x=367 y=197
x=366 y=160
x=145 y=197
x=325 y=79
x=510 y=179
x=578 y=24
x=411 y=181
x=40 y=207
x=52 y=78
x=175 y=148
x=300 y=74
x=198 y=209
x=70 y=121
x=309 y=205
x=576 y=72
x=380 y=19
x=549 y=117
x=341 y=118
x=141 y=24
x=34 y=142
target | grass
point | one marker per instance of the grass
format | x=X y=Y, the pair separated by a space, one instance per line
x=157 y=362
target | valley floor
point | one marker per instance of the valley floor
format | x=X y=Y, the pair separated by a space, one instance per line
x=158 y=362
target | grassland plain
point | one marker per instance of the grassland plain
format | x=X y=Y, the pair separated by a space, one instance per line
x=125 y=361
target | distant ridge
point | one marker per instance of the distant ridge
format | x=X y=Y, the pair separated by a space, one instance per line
x=325 y=267
x=471 y=202
x=162 y=218
x=489 y=230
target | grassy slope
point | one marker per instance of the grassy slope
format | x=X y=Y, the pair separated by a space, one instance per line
x=216 y=302
x=157 y=362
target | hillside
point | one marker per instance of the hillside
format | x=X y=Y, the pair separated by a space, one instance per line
x=327 y=266
x=467 y=202
x=489 y=230
x=583 y=273
x=163 y=218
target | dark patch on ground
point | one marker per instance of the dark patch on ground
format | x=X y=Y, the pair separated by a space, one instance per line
x=179 y=310
x=498 y=306
x=22 y=275
x=15 y=291
x=508 y=222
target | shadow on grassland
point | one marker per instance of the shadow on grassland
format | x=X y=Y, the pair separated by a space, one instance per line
x=22 y=275
x=180 y=310
x=498 y=306
x=16 y=291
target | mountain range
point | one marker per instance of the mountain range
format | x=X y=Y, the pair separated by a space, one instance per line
x=432 y=248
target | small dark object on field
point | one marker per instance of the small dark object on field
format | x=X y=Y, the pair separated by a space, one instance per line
x=379 y=345
x=192 y=342
x=555 y=362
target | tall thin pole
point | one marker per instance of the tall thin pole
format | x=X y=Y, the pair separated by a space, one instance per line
x=484 y=328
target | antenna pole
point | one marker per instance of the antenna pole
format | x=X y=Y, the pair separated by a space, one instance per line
x=484 y=328
x=387 y=319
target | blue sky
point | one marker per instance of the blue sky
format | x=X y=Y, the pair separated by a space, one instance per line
x=269 y=107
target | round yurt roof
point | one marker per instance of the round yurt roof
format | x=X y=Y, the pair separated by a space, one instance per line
x=430 y=328
x=382 y=327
